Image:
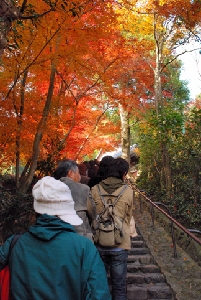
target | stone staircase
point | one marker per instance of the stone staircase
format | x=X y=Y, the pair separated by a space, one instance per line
x=145 y=281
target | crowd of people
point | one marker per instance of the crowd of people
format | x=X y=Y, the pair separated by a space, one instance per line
x=58 y=257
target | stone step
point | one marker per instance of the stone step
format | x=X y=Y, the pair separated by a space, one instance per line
x=138 y=268
x=139 y=251
x=145 y=278
x=150 y=278
x=149 y=291
x=137 y=244
x=142 y=259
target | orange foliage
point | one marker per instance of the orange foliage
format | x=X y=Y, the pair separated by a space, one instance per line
x=72 y=45
x=100 y=60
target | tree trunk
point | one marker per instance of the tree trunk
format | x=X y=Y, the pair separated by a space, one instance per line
x=99 y=155
x=8 y=13
x=166 y=161
x=19 y=128
x=39 y=134
x=125 y=133
x=24 y=172
x=157 y=71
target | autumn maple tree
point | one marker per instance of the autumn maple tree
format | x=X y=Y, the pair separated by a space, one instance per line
x=52 y=86
x=68 y=67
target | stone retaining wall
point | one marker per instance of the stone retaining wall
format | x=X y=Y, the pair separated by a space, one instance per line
x=187 y=243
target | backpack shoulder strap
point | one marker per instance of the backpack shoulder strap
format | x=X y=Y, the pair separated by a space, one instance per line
x=120 y=194
x=117 y=196
x=102 y=198
x=13 y=242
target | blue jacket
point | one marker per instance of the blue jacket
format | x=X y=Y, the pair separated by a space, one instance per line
x=52 y=262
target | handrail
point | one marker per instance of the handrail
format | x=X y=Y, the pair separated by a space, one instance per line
x=188 y=232
x=194 y=230
x=177 y=223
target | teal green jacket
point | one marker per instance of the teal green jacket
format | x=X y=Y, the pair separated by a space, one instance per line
x=52 y=262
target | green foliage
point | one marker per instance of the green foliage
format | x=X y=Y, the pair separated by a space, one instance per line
x=186 y=212
x=184 y=149
x=179 y=127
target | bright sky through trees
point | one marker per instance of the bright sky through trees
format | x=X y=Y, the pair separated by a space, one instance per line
x=191 y=70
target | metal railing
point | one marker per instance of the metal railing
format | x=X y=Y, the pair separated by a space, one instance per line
x=194 y=231
x=189 y=232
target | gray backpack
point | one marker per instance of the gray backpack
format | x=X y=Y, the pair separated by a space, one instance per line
x=108 y=228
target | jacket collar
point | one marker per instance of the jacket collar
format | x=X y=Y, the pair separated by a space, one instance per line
x=46 y=227
x=111 y=184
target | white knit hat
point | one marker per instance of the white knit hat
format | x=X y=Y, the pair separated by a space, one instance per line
x=53 y=197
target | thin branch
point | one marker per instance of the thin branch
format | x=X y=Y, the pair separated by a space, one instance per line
x=36 y=15
x=77 y=98
x=173 y=59
x=31 y=63
x=93 y=129
x=61 y=144
x=22 y=9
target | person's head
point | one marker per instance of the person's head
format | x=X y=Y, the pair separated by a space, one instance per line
x=67 y=168
x=96 y=162
x=118 y=168
x=85 y=162
x=82 y=169
x=103 y=166
x=54 y=198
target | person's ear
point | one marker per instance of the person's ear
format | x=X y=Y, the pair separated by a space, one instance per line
x=70 y=174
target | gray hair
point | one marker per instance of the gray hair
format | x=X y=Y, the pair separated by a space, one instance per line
x=64 y=166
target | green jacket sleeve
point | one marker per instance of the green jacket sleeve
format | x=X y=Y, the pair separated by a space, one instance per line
x=97 y=284
x=4 y=251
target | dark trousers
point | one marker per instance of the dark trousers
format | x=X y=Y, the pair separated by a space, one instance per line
x=116 y=263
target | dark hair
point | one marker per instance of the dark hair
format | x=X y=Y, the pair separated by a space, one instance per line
x=83 y=169
x=118 y=168
x=86 y=163
x=104 y=165
x=64 y=166
x=92 y=171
